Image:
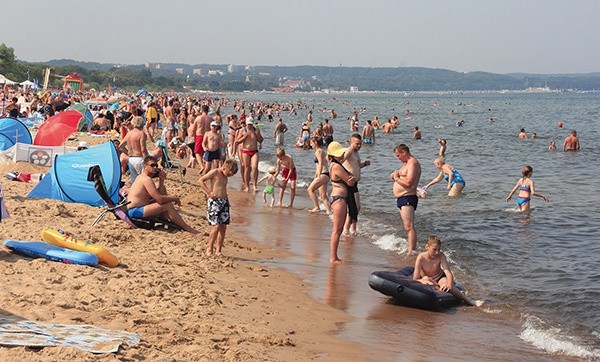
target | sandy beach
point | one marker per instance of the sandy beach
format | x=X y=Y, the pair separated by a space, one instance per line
x=183 y=305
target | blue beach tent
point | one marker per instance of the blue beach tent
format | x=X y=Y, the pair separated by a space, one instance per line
x=12 y=131
x=67 y=179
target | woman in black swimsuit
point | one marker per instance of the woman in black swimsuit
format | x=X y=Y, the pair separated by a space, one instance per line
x=321 y=178
x=341 y=179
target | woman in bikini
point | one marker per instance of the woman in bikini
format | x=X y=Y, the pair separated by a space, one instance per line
x=526 y=189
x=341 y=179
x=320 y=180
x=456 y=183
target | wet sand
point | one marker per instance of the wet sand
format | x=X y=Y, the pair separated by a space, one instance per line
x=387 y=331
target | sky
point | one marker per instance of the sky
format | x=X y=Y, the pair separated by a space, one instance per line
x=498 y=36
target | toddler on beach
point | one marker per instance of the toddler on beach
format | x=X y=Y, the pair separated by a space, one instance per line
x=217 y=204
x=271 y=182
x=285 y=163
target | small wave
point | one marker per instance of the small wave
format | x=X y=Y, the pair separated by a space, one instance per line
x=492 y=310
x=553 y=340
x=391 y=242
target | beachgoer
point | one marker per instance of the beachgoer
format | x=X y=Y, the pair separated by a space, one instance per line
x=552 y=145
x=212 y=143
x=170 y=121
x=431 y=268
x=151 y=121
x=533 y=135
x=134 y=145
x=456 y=183
x=352 y=162
x=571 y=143
x=320 y=180
x=83 y=145
x=250 y=141
x=416 y=133
x=270 y=182
x=375 y=123
x=146 y=199
x=304 y=139
x=442 y=142
x=286 y=165
x=368 y=133
x=522 y=134
x=388 y=127
x=280 y=130
x=526 y=188
x=341 y=181
x=327 y=132
x=200 y=126
x=406 y=179
x=217 y=204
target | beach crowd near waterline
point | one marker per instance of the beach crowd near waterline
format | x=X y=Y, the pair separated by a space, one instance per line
x=342 y=126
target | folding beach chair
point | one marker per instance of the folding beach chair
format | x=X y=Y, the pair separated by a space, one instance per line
x=168 y=163
x=119 y=210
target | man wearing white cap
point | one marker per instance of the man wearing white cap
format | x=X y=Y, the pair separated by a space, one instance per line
x=212 y=143
x=251 y=141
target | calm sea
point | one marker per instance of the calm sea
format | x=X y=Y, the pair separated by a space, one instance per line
x=540 y=269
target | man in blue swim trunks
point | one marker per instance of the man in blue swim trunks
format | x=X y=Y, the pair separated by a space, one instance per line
x=148 y=200
x=406 y=180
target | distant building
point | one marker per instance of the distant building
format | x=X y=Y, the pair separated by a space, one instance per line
x=232 y=68
x=264 y=74
x=157 y=66
x=215 y=72
x=353 y=88
x=293 y=83
x=197 y=71
x=179 y=70
x=147 y=65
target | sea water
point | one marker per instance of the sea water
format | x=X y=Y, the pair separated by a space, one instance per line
x=538 y=270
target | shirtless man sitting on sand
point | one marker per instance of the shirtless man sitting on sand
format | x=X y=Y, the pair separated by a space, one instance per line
x=146 y=199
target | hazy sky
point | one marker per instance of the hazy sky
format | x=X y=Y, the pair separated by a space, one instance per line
x=500 y=36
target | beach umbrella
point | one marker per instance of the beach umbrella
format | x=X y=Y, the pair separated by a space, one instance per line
x=114 y=106
x=57 y=129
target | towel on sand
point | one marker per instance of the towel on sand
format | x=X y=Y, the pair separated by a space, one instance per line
x=19 y=332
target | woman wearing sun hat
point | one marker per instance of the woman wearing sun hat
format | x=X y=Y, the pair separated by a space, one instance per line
x=341 y=179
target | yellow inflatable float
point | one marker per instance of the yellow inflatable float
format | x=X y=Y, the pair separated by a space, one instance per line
x=67 y=240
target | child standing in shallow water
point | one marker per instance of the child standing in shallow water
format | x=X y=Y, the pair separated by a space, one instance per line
x=526 y=189
x=217 y=204
x=271 y=181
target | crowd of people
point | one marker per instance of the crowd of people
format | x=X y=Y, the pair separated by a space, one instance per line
x=192 y=128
